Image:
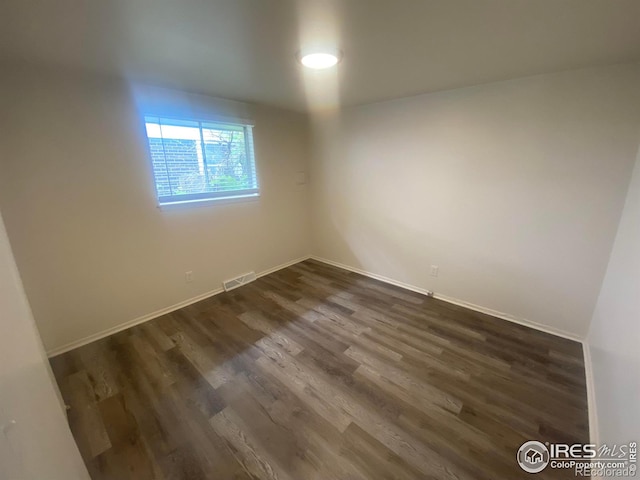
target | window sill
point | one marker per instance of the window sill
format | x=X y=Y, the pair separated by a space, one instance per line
x=204 y=202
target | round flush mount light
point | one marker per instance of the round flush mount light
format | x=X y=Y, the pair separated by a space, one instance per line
x=319 y=59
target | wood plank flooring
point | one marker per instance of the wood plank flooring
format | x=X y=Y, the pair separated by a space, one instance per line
x=314 y=372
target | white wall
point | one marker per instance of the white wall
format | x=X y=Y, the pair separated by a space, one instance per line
x=615 y=330
x=39 y=444
x=77 y=194
x=513 y=189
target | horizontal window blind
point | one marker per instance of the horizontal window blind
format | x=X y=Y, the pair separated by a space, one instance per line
x=197 y=160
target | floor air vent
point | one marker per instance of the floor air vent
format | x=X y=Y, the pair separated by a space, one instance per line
x=238 y=281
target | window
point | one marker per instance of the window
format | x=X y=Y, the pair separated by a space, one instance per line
x=200 y=160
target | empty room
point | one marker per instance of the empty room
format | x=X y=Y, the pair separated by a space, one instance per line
x=319 y=239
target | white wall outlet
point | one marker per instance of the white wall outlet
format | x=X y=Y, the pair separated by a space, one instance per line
x=188 y=276
x=434 y=270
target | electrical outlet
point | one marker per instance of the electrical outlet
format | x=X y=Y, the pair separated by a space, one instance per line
x=434 y=270
x=188 y=276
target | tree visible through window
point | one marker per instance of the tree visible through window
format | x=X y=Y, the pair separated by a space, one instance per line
x=198 y=160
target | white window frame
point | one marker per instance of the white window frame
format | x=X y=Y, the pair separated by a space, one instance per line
x=206 y=197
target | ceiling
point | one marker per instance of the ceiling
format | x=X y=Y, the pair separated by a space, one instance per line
x=246 y=49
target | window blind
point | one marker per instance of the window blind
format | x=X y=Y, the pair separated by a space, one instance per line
x=196 y=160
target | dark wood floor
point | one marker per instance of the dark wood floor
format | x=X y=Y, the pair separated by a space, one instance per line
x=317 y=373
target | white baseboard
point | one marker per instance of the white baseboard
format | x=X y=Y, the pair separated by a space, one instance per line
x=282 y=265
x=594 y=433
x=382 y=278
x=158 y=313
x=511 y=318
x=455 y=301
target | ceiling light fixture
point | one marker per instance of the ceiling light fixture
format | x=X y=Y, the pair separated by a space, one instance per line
x=319 y=60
